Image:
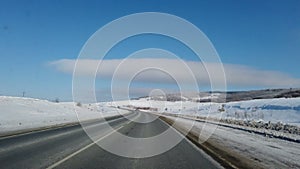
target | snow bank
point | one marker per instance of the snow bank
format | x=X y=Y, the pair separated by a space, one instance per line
x=249 y=149
x=274 y=110
x=284 y=110
x=18 y=113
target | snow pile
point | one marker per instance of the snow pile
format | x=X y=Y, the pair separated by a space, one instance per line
x=27 y=113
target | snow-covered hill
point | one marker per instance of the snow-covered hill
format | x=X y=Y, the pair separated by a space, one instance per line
x=17 y=113
x=230 y=96
x=285 y=110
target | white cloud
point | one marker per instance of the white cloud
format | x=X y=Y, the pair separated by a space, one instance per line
x=236 y=75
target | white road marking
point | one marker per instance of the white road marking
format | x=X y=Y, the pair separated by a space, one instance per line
x=88 y=146
x=84 y=148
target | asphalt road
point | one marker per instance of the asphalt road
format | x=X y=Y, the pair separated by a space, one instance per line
x=71 y=147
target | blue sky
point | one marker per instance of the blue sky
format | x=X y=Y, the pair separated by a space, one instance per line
x=264 y=35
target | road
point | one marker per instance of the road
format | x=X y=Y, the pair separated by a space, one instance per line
x=71 y=147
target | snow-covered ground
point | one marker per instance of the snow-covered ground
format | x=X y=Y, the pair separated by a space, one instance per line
x=249 y=149
x=17 y=113
x=284 y=110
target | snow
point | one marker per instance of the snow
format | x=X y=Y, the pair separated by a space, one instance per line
x=211 y=96
x=284 y=110
x=18 y=113
x=267 y=152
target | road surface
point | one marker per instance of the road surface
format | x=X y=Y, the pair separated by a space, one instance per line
x=71 y=147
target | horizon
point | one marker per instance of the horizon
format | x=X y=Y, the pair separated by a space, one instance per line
x=145 y=96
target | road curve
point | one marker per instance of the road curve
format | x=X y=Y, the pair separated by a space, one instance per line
x=71 y=147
